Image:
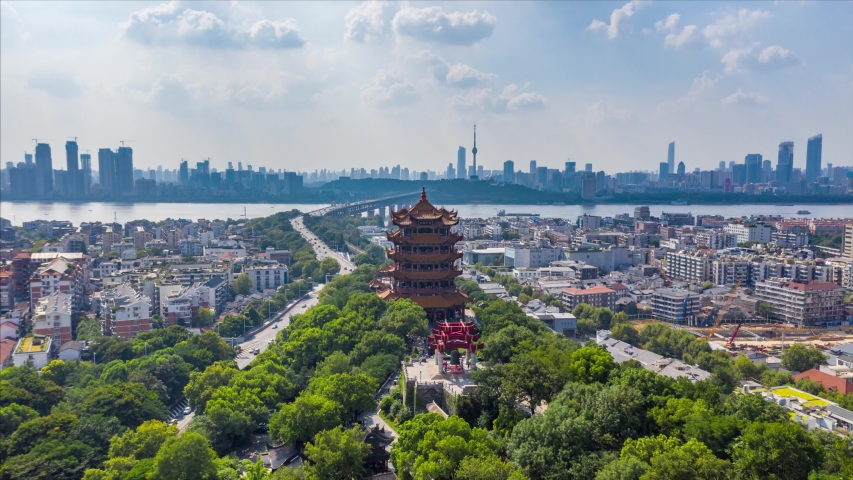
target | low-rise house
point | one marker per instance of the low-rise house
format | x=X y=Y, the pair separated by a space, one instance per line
x=70 y=351
x=33 y=350
x=622 y=352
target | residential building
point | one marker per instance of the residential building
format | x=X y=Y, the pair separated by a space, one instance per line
x=677 y=219
x=689 y=266
x=589 y=221
x=141 y=237
x=802 y=302
x=266 y=276
x=108 y=238
x=789 y=239
x=677 y=306
x=52 y=317
x=531 y=257
x=729 y=271
x=181 y=305
x=715 y=240
x=190 y=246
x=672 y=368
x=756 y=232
x=847 y=242
x=7 y=290
x=239 y=251
x=813 y=157
x=642 y=213
x=597 y=296
x=60 y=275
x=125 y=312
x=32 y=350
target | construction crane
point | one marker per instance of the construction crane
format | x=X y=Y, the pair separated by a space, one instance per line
x=37 y=140
x=725 y=309
x=75 y=138
x=731 y=342
x=122 y=142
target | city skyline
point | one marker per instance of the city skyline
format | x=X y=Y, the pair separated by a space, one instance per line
x=386 y=91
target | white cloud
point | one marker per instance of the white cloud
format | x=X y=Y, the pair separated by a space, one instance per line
x=166 y=24
x=509 y=100
x=11 y=24
x=618 y=19
x=745 y=98
x=755 y=58
x=369 y=22
x=388 y=88
x=55 y=83
x=464 y=76
x=432 y=24
x=687 y=36
x=731 y=25
x=600 y=112
x=170 y=94
x=698 y=89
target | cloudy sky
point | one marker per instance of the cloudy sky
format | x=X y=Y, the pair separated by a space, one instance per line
x=338 y=85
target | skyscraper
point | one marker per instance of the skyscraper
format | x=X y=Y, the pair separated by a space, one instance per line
x=752 y=163
x=541 y=176
x=85 y=172
x=509 y=171
x=124 y=171
x=570 y=167
x=785 y=163
x=28 y=158
x=588 y=167
x=474 y=155
x=106 y=169
x=664 y=171
x=44 y=164
x=71 y=158
x=460 y=163
x=681 y=168
x=533 y=180
x=184 y=176
x=722 y=165
x=451 y=172
x=670 y=157
x=813 y=154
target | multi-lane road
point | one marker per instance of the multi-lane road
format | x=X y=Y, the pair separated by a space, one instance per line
x=262 y=338
x=321 y=249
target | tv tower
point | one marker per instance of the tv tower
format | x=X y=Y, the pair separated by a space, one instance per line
x=474 y=153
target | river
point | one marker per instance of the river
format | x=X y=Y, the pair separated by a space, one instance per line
x=19 y=212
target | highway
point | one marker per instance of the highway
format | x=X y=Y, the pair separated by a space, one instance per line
x=321 y=249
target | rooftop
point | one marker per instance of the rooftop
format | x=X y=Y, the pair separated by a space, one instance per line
x=588 y=291
x=33 y=344
x=811 y=285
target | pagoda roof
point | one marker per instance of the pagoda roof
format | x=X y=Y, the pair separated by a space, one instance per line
x=428 y=301
x=423 y=210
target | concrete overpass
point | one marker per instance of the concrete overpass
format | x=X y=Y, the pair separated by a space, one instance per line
x=372 y=207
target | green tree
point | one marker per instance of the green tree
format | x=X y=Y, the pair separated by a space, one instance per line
x=301 y=420
x=242 y=284
x=337 y=362
x=365 y=304
x=89 y=329
x=404 y=318
x=186 y=457
x=692 y=460
x=353 y=392
x=337 y=454
x=780 y=450
x=143 y=442
x=799 y=358
x=12 y=416
x=203 y=318
x=591 y=364
x=764 y=309
x=329 y=266
x=488 y=467
x=202 y=385
x=377 y=342
x=626 y=333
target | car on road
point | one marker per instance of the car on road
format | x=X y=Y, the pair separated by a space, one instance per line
x=256 y=351
x=304 y=306
x=187 y=410
x=274 y=326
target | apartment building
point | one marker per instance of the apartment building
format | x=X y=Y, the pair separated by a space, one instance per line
x=756 y=232
x=729 y=271
x=125 y=312
x=715 y=240
x=109 y=238
x=589 y=221
x=531 y=257
x=847 y=242
x=677 y=306
x=181 y=304
x=52 y=317
x=141 y=237
x=789 y=239
x=597 y=296
x=7 y=290
x=689 y=266
x=802 y=302
x=63 y=276
x=266 y=276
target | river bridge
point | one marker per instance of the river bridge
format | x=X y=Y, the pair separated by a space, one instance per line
x=371 y=207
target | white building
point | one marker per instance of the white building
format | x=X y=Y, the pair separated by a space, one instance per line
x=52 y=317
x=524 y=257
x=677 y=306
x=757 y=232
x=266 y=276
x=589 y=221
x=715 y=240
x=125 y=312
x=32 y=350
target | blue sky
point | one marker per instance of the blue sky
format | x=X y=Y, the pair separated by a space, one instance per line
x=309 y=85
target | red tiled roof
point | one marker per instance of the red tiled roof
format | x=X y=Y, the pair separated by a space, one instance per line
x=588 y=291
x=811 y=285
x=618 y=286
x=830 y=382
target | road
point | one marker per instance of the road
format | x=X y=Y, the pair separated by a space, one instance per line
x=321 y=249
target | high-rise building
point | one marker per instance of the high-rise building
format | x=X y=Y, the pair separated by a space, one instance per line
x=184 y=176
x=752 y=163
x=460 y=163
x=532 y=179
x=451 y=172
x=813 y=154
x=664 y=171
x=766 y=170
x=106 y=169
x=541 y=176
x=86 y=172
x=785 y=162
x=670 y=157
x=570 y=167
x=474 y=156
x=588 y=167
x=28 y=158
x=509 y=171
x=72 y=165
x=739 y=174
x=44 y=164
x=722 y=165
x=681 y=168
x=124 y=170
